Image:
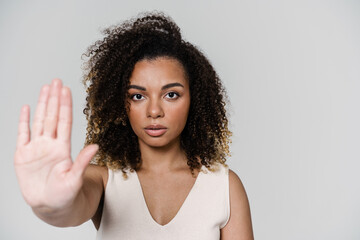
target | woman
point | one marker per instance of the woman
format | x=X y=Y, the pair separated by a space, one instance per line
x=158 y=136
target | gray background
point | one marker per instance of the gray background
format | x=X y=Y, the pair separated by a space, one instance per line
x=292 y=71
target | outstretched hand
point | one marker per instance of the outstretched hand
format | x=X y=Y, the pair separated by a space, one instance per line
x=47 y=175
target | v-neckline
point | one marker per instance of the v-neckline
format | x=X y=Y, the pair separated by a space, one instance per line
x=180 y=209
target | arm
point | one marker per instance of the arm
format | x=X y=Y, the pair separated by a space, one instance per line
x=239 y=226
x=59 y=190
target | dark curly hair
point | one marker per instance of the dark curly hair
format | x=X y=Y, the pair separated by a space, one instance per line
x=205 y=138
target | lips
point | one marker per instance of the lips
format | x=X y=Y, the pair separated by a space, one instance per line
x=155 y=130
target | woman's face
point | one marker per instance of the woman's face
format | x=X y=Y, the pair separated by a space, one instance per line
x=159 y=101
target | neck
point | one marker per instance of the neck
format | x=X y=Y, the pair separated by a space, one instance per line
x=162 y=159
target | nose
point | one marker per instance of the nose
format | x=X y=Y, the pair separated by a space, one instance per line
x=154 y=109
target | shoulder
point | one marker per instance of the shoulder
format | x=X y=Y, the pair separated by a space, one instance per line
x=236 y=186
x=97 y=174
x=239 y=223
x=238 y=197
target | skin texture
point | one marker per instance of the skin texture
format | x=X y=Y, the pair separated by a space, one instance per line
x=168 y=107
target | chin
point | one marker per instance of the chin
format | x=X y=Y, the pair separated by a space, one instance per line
x=158 y=142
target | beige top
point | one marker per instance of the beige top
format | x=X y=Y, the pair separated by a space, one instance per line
x=204 y=212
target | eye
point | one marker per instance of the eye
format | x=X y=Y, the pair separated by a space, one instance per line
x=172 y=95
x=137 y=97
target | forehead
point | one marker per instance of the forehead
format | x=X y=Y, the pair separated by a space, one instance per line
x=158 y=71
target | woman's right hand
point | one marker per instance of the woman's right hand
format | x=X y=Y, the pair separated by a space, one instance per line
x=49 y=179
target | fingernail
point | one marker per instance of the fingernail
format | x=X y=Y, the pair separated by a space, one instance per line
x=25 y=108
x=45 y=88
x=64 y=91
x=56 y=81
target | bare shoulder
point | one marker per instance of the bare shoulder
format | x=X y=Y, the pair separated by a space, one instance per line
x=239 y=225
x=96 y=174
x=235 y=183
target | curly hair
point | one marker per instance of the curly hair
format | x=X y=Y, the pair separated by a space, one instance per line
x=205 y=138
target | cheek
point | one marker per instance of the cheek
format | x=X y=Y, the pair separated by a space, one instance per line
x=134 y=116
x=179 y=114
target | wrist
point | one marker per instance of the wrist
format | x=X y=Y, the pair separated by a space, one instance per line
x=63 y=216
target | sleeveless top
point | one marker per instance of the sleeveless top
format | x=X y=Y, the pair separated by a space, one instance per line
x=204 y=212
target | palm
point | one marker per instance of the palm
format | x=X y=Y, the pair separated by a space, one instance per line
x=46 y=173
x=42 y=168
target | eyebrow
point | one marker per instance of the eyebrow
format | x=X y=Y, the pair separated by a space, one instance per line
x=170 y=85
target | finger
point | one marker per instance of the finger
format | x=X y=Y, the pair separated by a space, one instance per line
x=65 y=115
x=52 y=109
x=83 y=160
x=23 y=129
x=37 y=126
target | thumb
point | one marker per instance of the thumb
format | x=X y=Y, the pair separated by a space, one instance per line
x=83 y=159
